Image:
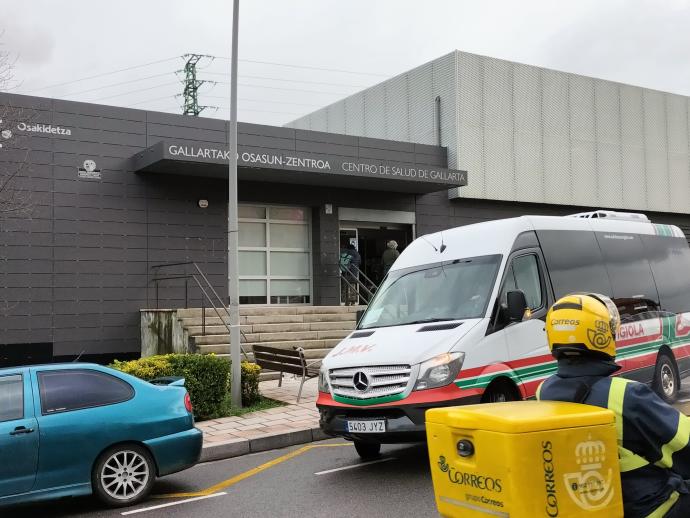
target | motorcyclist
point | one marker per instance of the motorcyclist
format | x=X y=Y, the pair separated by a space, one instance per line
x=652 y=436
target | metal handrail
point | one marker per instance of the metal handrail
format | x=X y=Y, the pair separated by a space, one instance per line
x=353 y=273
x=206 y=296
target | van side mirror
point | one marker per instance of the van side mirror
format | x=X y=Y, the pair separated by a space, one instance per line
x=517 y=304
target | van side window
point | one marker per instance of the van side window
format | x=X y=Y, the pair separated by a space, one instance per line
x=574 y=261
x=523 y=274
x=526 y=271
x=634 y=291
x=669 y=258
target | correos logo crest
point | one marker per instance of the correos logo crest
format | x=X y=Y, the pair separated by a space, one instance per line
x=590 y=488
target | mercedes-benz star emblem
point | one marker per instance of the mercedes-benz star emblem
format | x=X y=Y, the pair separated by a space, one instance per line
x=360 y=381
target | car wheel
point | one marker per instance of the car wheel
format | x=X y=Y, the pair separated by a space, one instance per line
x=123 y=475
x=368 y=450
x=666 y=379
x=499 y=392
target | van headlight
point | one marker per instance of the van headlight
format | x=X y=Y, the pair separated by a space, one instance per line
x=439 y=371
x=323 y=380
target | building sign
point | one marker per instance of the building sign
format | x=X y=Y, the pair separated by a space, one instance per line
x=318 y=163
x=89 y=171
x=43 y=128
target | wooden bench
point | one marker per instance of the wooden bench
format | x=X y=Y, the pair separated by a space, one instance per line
x=286 y=360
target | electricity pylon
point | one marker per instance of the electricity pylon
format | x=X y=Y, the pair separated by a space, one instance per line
x=191 y=85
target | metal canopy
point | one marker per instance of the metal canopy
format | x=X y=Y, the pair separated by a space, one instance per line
x=302 y=167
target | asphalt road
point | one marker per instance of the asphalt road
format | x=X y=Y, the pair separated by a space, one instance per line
x=315 y=480
x=397 y=484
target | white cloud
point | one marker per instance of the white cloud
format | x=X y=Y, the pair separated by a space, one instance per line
x=637 y=41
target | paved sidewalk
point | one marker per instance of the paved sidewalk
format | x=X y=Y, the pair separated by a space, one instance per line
x=266 y=429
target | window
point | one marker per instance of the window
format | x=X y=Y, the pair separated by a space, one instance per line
x=526 y=278
x=65 y=390
x=274 y=255
x=669 y=259
x=11 y=397
x=574 y=262
x=633 y=288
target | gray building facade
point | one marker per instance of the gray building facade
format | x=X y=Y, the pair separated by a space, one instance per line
x=95 y=196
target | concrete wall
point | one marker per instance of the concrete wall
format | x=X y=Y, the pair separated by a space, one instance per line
x=531 y=134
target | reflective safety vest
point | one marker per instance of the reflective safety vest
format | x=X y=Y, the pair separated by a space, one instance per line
x=652 y=438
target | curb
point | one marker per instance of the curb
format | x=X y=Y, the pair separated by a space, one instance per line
x=237 y=447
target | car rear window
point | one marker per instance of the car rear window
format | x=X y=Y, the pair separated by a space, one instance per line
x=75 y=389
x=11 y=397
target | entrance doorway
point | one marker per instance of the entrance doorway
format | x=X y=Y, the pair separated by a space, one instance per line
x=370 y=241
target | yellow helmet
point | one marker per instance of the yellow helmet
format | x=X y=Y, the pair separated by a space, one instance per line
x=582 y=323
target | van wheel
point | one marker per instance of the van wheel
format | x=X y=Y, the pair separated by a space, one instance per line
x=368 y=450
x=499 y=392
x=123 y=475
x=666 y=380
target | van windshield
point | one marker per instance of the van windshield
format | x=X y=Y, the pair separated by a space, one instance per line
x=453 y=290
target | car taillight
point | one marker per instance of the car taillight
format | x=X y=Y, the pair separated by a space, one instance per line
x=188 y=402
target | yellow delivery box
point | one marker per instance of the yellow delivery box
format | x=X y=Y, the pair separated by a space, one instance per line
x=524 y=459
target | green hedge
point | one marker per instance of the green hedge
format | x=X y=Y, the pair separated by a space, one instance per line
x=250 y=383
x=206 y=378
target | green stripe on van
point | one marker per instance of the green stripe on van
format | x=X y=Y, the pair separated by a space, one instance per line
x=370 y=401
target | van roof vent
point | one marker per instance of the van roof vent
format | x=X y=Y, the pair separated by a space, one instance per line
x=610 y=214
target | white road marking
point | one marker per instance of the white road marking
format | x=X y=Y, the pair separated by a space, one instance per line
x=178 y=502
x=354 y=466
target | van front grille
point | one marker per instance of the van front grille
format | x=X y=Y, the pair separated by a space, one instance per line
x=369 y=382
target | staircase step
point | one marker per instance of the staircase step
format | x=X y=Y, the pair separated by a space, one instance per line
x=330 y=317
x=294 y=336
x=273 y=327
x=328 y=343
x=271 y=311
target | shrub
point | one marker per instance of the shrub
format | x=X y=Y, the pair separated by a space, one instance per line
x=250 y=383
x=146 y=368
x=206 y=378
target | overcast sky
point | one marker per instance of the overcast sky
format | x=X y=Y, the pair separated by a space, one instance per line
x=642 y=42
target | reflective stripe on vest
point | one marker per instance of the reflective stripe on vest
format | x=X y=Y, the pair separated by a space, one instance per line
x=661 y=511
x=679 y=442
x=629 y=461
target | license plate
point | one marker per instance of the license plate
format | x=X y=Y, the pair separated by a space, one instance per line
x=372 y=426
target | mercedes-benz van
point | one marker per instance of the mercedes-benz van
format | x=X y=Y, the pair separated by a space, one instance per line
x=460 y=317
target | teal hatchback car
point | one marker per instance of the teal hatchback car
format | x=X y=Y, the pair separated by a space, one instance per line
x=76 y=429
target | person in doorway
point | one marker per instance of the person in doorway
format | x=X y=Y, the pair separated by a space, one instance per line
x=350 y=261
x=653 y=437
x=389 y=255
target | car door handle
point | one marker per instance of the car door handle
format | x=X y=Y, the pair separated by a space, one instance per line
x=21 y=429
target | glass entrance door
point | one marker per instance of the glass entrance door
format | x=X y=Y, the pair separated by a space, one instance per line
x=370 y=240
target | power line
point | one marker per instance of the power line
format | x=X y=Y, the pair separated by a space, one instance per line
x=278 y=88
x=307 y=67
x=263 y=101
x=259 y=111
x=104 y=74
x=289 y=80
x=240 y=109
x=225 y=97
x=117 y=84
x=152 y=100
x=133 y=91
